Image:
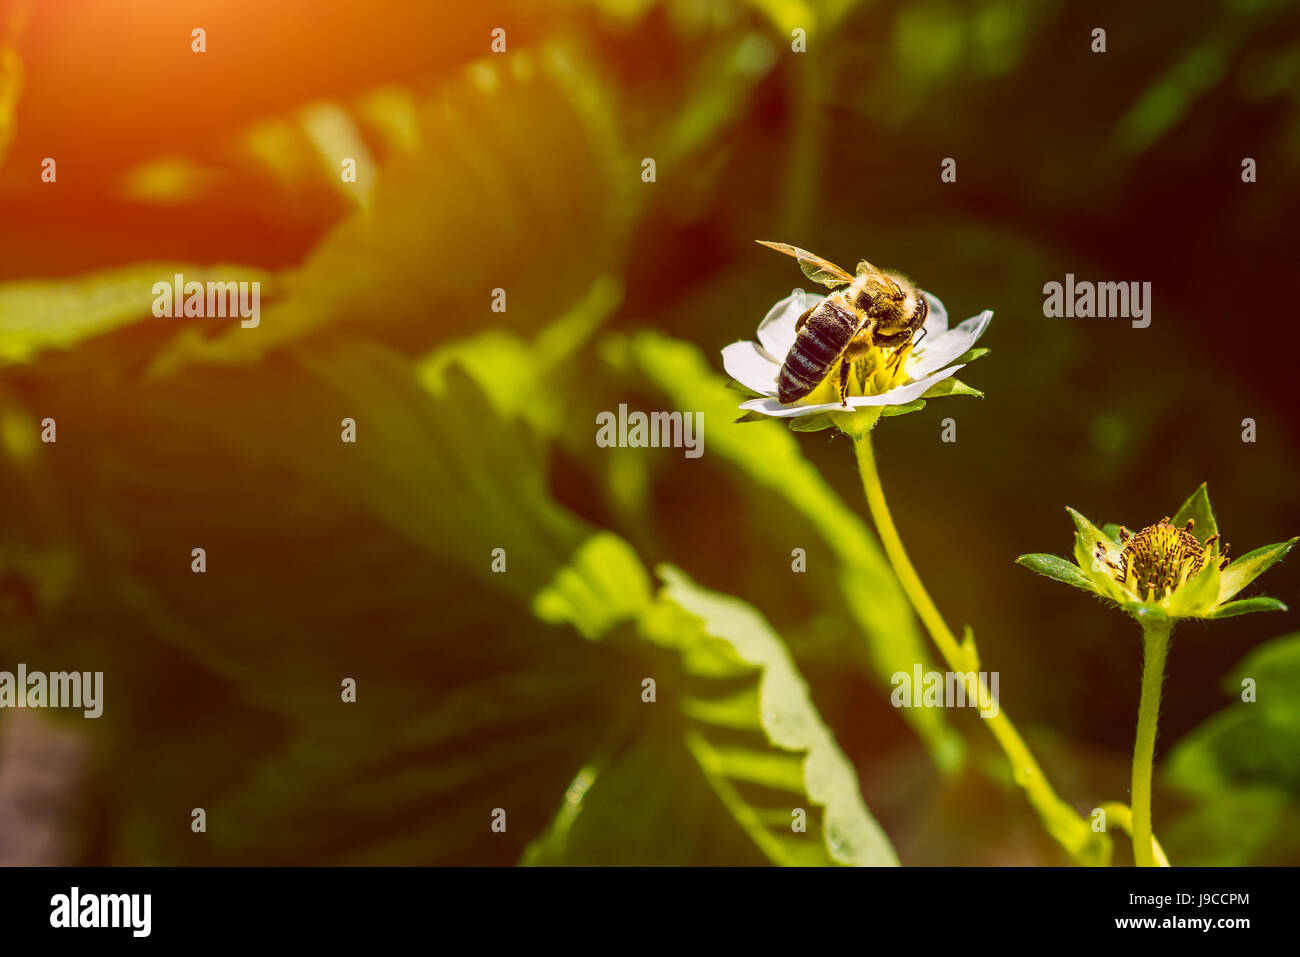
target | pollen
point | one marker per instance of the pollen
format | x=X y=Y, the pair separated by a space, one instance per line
x=1159 y=559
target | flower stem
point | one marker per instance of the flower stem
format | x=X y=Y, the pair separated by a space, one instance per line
x=1070 y=830
x=1155 y=648
x=1123 y=818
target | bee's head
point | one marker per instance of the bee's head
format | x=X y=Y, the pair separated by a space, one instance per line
x=920 y=308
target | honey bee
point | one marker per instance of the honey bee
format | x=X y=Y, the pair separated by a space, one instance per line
x=875 y=309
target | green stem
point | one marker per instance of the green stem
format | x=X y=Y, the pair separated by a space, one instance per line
x=1155 y=648
x=1065 y=826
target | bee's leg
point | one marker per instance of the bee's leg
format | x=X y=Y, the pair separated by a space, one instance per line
x=798 y=324
x=898 y=357
x=916 y=342
x=845 y=366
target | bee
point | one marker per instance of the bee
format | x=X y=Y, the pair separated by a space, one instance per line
x=872 y=308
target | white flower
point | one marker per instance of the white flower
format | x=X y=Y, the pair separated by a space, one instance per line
x=756 y=365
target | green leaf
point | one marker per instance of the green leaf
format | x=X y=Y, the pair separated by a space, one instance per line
x=1246 y=606
x=731 y=754
x=1197 y=508
x=604 y=584
x=1255 y=741
x=418 y=266
x=1059 y=569
x=464 y=696
x=40 y=314
x=951 y=386
x=1250 y=566
x=816 y=769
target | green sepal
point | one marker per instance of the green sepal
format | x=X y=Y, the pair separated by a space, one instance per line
x=1084 y=526
x=1055 y=567
x=1197 y=507
x=1200 y=592
x=1250 y=566
x=951 y=386
x=752 y=417
x=1146 y=613
x=810 y=423
x=916 y=405
x=1246 y=606
x=1087 y=535
x=970 y=355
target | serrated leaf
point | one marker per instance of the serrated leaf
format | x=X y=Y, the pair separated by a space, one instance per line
x=40 y=314
x=604 y=584
x=791 y=724
x=422 y=262
x=737 y=751
x=314 y=545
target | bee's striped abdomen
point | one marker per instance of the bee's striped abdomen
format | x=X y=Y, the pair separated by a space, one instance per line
x=820 y=342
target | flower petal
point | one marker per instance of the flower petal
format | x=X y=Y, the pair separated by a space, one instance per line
x=900 y=396
x=1250 y=566
x=776 y=331
x=936 y=323
x=750 y=366
x=946 y=346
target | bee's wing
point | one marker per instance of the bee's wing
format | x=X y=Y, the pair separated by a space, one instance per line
x=878 y=275
x=813 y=266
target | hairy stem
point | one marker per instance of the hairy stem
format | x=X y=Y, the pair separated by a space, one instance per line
x=1069 y=829
x=1155 y=648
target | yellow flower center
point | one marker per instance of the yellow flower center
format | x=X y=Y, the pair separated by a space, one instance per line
x=875 y=371
x=1159 y=559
